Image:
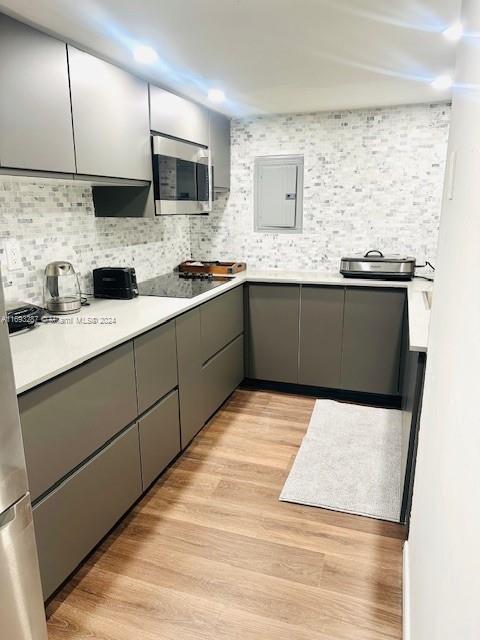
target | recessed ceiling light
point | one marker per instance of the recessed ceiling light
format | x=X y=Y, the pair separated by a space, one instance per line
x=145 y=54
x=442 y=83
x=216 y=95
x=454 y=32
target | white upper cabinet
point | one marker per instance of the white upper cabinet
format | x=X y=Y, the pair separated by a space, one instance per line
x=220 y=148
x=178 y=117
x=110 y=119
x=35 y=118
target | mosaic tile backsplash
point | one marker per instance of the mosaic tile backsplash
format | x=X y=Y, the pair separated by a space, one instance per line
x=373 y=180
x=55 y=221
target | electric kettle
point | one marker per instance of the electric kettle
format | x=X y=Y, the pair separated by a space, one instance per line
x=61 y=289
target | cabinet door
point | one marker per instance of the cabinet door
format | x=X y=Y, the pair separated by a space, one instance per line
x=372 y=340
x=273 y=332
x=159 y=433
x=155 y=364
x=67 y=419
x=222 y=375
x=321 y=328
x=35 y=117
x=110 y=119
x=74 y=517
x=221 y=321
x=220 y=149
x=175 y=116
x=189 y=353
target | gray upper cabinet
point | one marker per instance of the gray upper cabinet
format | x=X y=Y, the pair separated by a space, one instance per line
x=273 y=318
x=220 y=149
x=175 y=116
x=321 y=328
x=372 y=340
x=110 y=119
x=35 y=117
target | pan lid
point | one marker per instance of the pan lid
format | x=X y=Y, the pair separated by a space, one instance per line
x=374 y=255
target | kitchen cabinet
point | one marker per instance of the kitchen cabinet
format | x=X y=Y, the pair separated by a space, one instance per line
x=221 y=320
x=321 y=329
x=412 y=396
x=159 y=432
x=273 y=343
x=35 y=116
x=67 y=419
x=74 y=517
x=222 y=374
x=220 y=150
x=178 y=117
x=110 y=119
x=155 y=364
x=207 y=368
x=190 y=360
x=372 y=340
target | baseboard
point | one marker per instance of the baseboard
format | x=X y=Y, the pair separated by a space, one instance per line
x=406 y=592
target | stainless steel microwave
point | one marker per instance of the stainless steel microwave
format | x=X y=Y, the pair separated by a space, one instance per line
x=182 y=177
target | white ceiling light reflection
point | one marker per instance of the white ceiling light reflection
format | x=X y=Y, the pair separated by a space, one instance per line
x=145 y=54
x=216 y=95
x=454 y=33
x=442 y=83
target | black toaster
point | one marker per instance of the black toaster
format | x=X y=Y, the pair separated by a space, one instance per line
x=118 y=283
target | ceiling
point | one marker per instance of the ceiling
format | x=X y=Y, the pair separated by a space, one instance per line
x=269 y=56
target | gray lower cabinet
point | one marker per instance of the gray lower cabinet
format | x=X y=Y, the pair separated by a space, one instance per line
x=72 y=519
x=189 y=354
x=321 y=329
x=155 y=364
x=35 y=116
x=178 y=117
x=220 y=150
x=222 y=375
x=372 y=340
x=159 y=432
x=67 y=419
x=221 y=321
x=273 y=341
x=110 y=119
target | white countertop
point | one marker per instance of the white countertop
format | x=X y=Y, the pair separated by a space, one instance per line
x=51 y=349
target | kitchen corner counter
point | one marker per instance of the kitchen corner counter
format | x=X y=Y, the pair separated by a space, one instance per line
x=51 y=349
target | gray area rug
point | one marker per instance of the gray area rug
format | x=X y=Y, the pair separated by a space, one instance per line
x=349 y=460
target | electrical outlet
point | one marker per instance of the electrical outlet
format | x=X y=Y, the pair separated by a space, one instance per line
x=12 y=254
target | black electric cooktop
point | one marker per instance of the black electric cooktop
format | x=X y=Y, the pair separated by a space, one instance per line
x=176 y=285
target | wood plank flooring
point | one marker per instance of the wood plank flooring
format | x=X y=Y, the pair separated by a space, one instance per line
x=211 y=553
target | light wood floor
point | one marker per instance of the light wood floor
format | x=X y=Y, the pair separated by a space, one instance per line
x=210 y=552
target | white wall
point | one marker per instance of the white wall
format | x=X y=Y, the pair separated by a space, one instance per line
x=444 y=544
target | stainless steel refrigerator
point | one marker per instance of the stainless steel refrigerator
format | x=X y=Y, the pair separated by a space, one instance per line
x=22 y=614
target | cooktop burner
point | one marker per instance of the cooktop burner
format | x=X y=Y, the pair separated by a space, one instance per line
x=180 y=285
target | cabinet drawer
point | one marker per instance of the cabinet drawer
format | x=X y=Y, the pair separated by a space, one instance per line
x=159 y=438
x=221 y=321
x=71 y=520
x=156 y=364
x=67 y=419
x=222 y=375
